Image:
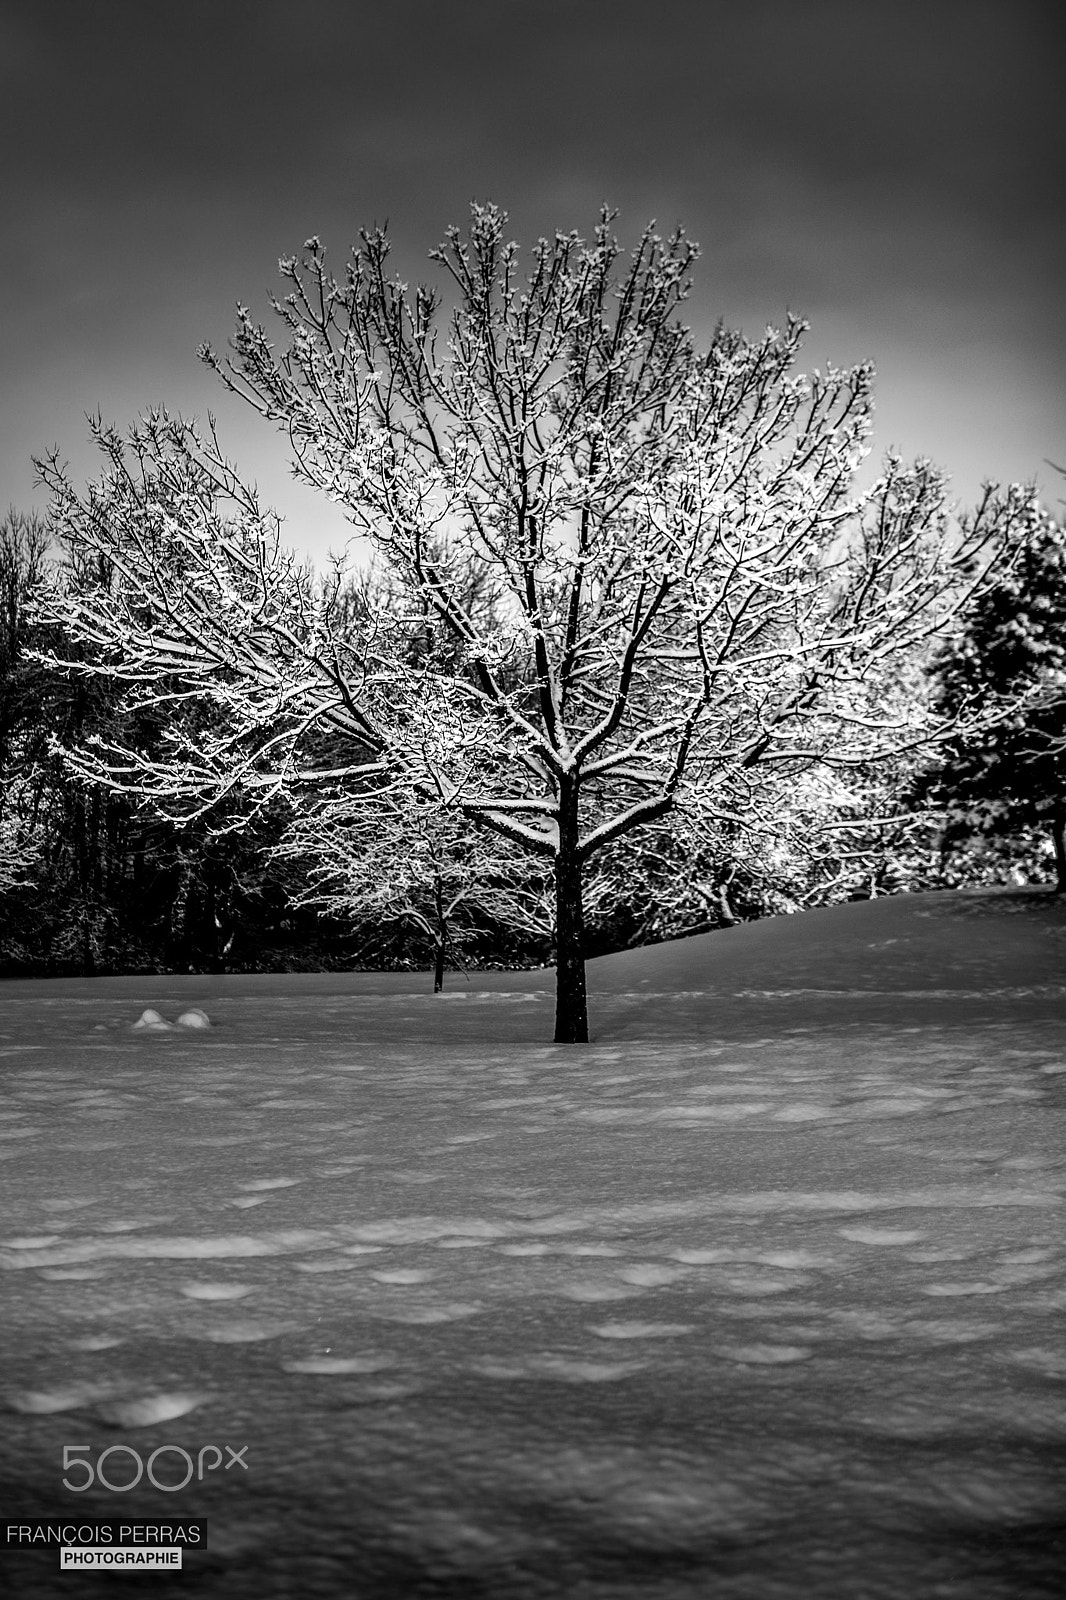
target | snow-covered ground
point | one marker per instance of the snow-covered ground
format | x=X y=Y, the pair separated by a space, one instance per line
x=759 y=1295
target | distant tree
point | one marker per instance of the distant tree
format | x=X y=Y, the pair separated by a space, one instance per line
x=410 y=863
x=803 y=839
x=1008 y=662
x=23 y=737
x=680 y=581
x=398 y=858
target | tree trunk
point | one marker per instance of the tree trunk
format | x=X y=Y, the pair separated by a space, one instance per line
x=571 y=1007
x=441 y=942
x=1058 y=833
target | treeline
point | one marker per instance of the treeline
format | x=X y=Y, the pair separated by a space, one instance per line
x=91 y=881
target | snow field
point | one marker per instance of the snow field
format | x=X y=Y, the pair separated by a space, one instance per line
x=768 y=1307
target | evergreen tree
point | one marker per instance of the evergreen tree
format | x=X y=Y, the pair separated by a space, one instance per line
x=1009 y=662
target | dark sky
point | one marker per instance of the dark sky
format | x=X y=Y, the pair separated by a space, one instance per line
x=895 y=172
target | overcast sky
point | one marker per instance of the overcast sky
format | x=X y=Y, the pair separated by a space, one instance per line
x=893 y=171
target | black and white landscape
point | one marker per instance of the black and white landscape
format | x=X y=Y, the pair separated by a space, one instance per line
x=533 y=797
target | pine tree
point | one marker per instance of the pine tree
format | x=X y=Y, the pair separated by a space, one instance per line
x=1009 y=662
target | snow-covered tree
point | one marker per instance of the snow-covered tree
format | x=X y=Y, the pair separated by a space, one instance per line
x=23 y=553
x=681 y=583
x=808 y=838
x=410 y=862
x=1009 y=661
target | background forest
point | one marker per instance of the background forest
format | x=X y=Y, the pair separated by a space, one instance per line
x=93 y=882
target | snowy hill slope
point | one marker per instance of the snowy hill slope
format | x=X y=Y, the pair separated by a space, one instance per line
x=947 y=952
x=960 y=939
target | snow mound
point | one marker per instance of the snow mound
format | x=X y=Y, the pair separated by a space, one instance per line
x=195 y=1018
x=153 y=1021
x=147 y=1410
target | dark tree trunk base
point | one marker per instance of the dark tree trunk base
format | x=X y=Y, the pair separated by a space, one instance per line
x=571 y=1004
x=442 y=935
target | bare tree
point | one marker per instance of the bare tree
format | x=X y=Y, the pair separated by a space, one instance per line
x=23 y=560
x=407 y=860
x=681 y=582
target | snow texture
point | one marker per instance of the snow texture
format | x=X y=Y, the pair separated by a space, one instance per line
x=758 y=1296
